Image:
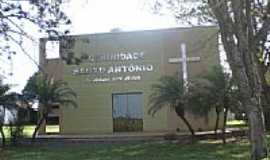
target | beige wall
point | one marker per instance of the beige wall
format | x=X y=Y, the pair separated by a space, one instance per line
x=201 y=42
x=94 y=114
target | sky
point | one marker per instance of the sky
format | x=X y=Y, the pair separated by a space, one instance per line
x=88 y=16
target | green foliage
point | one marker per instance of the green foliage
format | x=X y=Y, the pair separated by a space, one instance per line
x=244 y=29
x=27 y=130
x=168 y=91
x=212 y=90
x=30 y=87
x=215 y=89
x=188 y=12
x=16 y=132
x=48 y=92
x=5 y=103
x=12 y=102
x=43 y=16
x=200 y=97
x=16 y=127
x=4 y=97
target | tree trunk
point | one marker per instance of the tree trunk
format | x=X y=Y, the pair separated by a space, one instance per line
x=224 y=125
x=188 y=125
x=181 y=113
x=266 y=112
x=241 y=44
x=3 y=136
x=257 y=137
x=43 y=118
x=2 y=121
x=217 y=121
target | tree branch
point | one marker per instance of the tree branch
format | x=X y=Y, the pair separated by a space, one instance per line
x=25 y=52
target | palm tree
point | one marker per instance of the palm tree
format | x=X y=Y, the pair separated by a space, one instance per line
x=47 y=92
x=170 y=92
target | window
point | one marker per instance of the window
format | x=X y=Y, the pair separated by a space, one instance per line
x=128 y=112
x=52 y=50
x=52 y=125
x=128 y=106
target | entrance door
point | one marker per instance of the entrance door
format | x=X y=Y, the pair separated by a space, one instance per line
x=127 y=112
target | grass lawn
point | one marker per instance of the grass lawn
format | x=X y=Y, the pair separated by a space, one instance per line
x=236 y=122
x=28 y=130
x=204 y=150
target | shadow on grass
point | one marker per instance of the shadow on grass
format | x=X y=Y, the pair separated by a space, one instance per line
x=143 y=151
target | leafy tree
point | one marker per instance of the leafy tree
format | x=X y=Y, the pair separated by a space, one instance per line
x=244 y=27
x=220 y=88
x=215 y=90
x=3 y=102
x=22 y=108
x=169 y=92
x=47 y=92
x=7 y=101
x=17 y=16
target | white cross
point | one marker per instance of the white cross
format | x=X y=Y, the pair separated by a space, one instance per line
x=184 y=59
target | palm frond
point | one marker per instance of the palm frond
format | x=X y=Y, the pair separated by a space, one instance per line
x=48 y=91
x=66 y=92
x=167 y=92
x=68 y=102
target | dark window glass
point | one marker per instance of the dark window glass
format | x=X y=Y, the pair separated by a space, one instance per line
x=128 y=106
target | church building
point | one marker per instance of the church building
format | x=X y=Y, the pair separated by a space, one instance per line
x=114 y=77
